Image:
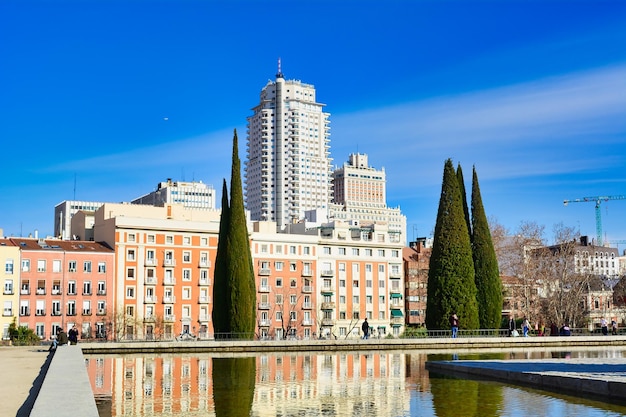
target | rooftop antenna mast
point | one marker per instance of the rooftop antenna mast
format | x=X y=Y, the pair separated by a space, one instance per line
x=279 y=74
x=74 y=187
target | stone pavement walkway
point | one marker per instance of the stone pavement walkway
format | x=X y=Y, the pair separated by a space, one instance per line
x=584 y=377
x=20 y=367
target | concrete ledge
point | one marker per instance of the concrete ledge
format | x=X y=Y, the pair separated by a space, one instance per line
x=66 y=390
x=425 y=344
x=591 y=378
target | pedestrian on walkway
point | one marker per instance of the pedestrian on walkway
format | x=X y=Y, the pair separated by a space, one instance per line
x=525 y=326
x=72 y=335
x=605 y=326
x=454 y=324
x=613 y=327
x=366 y=329
x=511 y=326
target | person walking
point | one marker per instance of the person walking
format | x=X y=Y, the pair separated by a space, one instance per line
x=454 y=324
x=72 y=335
x=605 y=326
x=511 y=326
x=366 y=329
x=525 y=326
x=613 y=327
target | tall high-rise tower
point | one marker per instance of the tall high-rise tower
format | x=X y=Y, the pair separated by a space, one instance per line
x=288 y=166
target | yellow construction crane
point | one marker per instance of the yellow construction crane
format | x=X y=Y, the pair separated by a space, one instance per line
x=596 y=200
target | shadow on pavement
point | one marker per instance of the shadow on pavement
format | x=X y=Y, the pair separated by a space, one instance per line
x=27 y=406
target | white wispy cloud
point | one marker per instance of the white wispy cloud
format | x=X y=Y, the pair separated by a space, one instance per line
x=514 y=130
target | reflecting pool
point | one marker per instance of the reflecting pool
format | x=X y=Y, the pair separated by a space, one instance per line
x=380 y=383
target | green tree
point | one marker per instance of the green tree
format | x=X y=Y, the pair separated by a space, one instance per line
x=459 y=176
x=487 y=273
x=451 y=286
x=235 y=312
x=22 y=335
x=234 y=380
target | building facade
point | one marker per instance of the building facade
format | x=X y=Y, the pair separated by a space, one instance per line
x=65 y=283
x=288 y=164
x=65 y=211
x=360 y=196
x=416 y=259
x=9 y=275
x=194 y=194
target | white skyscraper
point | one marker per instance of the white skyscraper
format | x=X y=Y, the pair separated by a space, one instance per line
x=288 y=166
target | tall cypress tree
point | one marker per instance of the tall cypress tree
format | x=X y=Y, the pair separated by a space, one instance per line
x=487 y=274
x=221 y=307
x=459 y=176
x=451 y=286
x=234 y=260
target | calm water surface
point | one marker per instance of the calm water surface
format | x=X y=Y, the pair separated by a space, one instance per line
x=330 y=384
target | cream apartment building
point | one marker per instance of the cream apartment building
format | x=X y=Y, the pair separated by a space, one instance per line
x=10 y=276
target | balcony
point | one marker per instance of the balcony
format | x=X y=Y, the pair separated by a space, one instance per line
x=264 y=288
x=203 y=281
x=397 y=321
x=328 y=306
x=203 y=318
x=101 y=312
x=7 y=312
x=150 y=299
x=307 y=306
x=328 y=322
x=25 y=312
x=56 y=313
x=8 y=291
x=41 y=291
x=264 y=306
x=169 y=318
x=25 y=291
x=40 y=313
x=204 y=263
x=102 y=292
x=87 y=312
x=307 y=289
x=151 y=262
x=328 y=288
x=264 y=272
x=307 y=273
x=149 y=318
x=264 y=323
x=169 y=281
x=327 y=273
x=395 y=274
x=169 y=299
x=204 y=299
x=307 y=322
x=169 y=262
x=150 y=281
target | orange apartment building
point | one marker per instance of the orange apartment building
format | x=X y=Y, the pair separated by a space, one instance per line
x=164 y=258
x=65 y=283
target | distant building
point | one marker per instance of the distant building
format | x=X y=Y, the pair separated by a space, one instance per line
x=65 y=211
x=360 y=197
x=195 y=194
x=288 y=164
x=416 y=259
x=9 y=276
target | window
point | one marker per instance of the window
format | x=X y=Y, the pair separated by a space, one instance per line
x=130 y=255
x=342 y=283
x=87 y=266
x=369 y=299
x=40 y=309
x=279 y=282
x=8 y=286
x=130 y=273
x=342 y=299
x=381 y=268
x=41 y=265
x=150 y=239
x=342 y=267
x=355 y=315
x=279 y=249
x=186 y=293
x=131 y=237
x=355 y=283
x=292 y=299
x=102 y=267
x=279 y=299
x=395 y=253
x=56 y=266
x=130 y=292
x=368 y=268
x=368 y=283
x=102 y=307
x=56 y=287
x=41 y=287
x=293 y=283
x=307 y=250
x=187 y=240
x=292 y=315
x=130 y=310
x=264 y=248
x=381 y=252
x=169 y=239
x=278 y=265
x=342 y=251
x=8 y=308
x=355 y=251
x=355 y=299
x=86 y=308
x=279 y=316
x=186 y=257
x=186 y=274
x=326 y=250
x=71 y=308
x=292 y=267
x=26 y=265
x=368 y=252
x=87 y=288
x=292 y=250
x=381 y=283
x=71 y=266
x=204 y=259
x=102 y=289
x=71 y=288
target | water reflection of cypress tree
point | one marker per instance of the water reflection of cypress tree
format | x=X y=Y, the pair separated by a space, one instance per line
x=233 y=386
x=490 y=399
x=454 y=397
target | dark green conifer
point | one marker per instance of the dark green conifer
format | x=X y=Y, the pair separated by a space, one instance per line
x=451 y=286
x=221 y=299
x=487 y=274
x=235 y=263
x=459 y=176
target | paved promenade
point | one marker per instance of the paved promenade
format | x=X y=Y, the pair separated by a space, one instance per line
x=21 y=367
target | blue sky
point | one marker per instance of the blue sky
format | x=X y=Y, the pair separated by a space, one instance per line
x=532 y=93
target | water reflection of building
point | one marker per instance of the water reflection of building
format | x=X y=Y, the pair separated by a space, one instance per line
x=368 y=384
